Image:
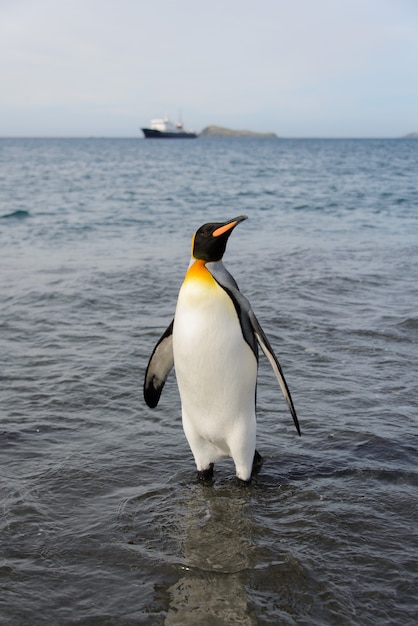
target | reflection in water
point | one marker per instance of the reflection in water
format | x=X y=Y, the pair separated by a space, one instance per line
x=225 y=554
x=217 y=547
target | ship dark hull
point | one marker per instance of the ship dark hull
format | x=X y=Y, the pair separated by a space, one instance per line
x=149 y=133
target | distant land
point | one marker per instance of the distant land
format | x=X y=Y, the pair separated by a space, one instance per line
x=411 y=135
x=219 y=131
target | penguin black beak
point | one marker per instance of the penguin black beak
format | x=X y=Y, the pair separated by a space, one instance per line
x=229 y=225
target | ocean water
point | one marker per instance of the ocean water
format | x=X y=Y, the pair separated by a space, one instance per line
x=102 y=520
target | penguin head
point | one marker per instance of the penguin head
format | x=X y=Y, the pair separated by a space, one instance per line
x=209 y=242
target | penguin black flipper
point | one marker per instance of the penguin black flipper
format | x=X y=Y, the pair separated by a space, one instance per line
x=251 y=329
x=159 y=367
x=268 y=351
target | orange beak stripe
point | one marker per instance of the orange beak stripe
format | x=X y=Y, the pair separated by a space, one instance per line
x=223 y=229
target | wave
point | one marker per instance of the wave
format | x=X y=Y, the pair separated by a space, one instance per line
x=19 y=214
x=410 y=323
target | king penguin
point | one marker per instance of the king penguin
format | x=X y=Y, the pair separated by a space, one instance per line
x=212 y=344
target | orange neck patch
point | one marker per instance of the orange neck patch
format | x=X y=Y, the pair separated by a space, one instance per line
x=198 y=271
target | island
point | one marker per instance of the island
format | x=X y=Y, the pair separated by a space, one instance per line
x=219 y=131
x=411 y=136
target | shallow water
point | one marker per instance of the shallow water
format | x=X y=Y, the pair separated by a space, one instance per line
x=102 y=519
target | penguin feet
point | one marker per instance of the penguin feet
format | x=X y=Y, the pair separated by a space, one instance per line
x=206 y=474
x=257 y=463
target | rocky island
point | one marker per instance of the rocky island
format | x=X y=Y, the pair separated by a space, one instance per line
x=411 y=136
x=219 y=131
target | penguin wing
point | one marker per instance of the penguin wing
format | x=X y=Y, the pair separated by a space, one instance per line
x=159 y=367
x=274 y=362
x=252 y=330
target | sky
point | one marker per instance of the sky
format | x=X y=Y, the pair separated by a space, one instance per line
x=299 y=68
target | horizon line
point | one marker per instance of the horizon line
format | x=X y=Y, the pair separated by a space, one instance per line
x=407 y=136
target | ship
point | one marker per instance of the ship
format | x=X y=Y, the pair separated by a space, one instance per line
x=165 y=129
